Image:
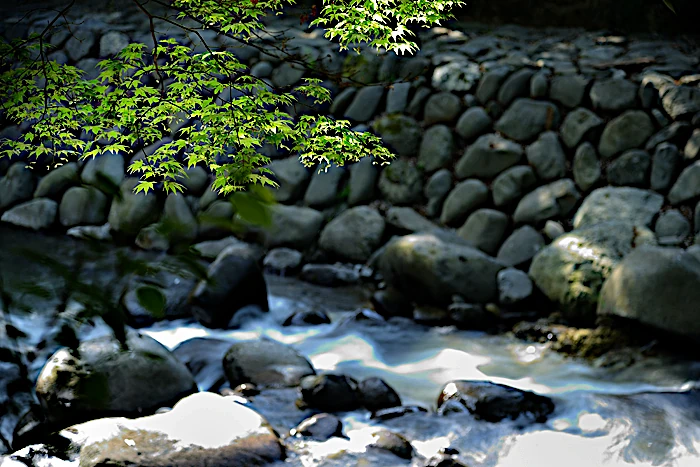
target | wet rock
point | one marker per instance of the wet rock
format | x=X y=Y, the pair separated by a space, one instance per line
x=396 y=412
x=56 y=182
x=407 y=220
x=547 y=156
x=354 y=234
x=516 y=85
x=687 y=185
x=428 y=269
x=362 y=183
x=365 y=104
x=587 y=169
x=329 y=275
x=267 y=364
x=375 y=394
x=130 y=212
x=554 y=200
x=392 y=442
x=672 y=228
x=37 y=214
x=16 y=186
x=401 y=183
x=428 y=315
x=628 y=131
x=631 y=205
x=512 y=184
x=233 y=281
x=613 y=95
x=572 y=269
x=579 y=125
x=657 y=287
x=210 y=249
x=631 y=168
x=513 y=286
x=460 y=76
x=91 y=232
x=488 y=156
x=493 y=402
x=436 y=148
x=568 y=90
x=441 y=107
x=464 y=198
x=104 y=379
x=202 y=356
x=522 y=245
x=526 y=118
x=539 y=85
x=105 y=172
x=436 y=190
x=323 y=188
x=307 y=318
x=443 y=460
x=196 y=433
x=681 y=102
x=320 y=427
x=282 y=261
x=473 y=122
x=292 y=178
x=491 y=82
x=329 y=392
x=293 y=227
x=400 y=132
x=485 y=229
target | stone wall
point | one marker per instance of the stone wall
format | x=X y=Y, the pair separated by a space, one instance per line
x=513 y=143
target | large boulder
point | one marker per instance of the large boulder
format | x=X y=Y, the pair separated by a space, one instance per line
x=83 y=205
x=53 y=184
x=197 y=432
x=17 y=185
x=354 y=234
x=293 y=226
x=177 y=222
x=632 y=205
x=265 y=364
x=292 y=178
x=233 y=281
x=493 y=402
x=105 y=172
x=323 y=188
x=572 y=269
x=628 y=131
x=430 y=269
x=36 y=214
x=104 y=379
x=657 y=287
x=130 y=212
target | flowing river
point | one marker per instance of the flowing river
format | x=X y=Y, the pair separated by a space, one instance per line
x=647 y=414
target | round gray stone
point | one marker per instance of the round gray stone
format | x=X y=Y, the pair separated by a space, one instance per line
x=436 y=148
x=578 y=125
x=401 y=183
x=521 y=246
x=547 y=156
x=672 y=228
x=663 y=166
x=587 y=171
x=441 y=107
x=631 y=169
x=568 y=90
x=513 y=183
x=554 y=200
x=488 y=156
x=687 y=186
x=354 y=235
x=613 y=94
x=401 y=133
x=514 y=286
x=462 y=200
x=623 y=204
x=485 y=229
x=474 y=122
x=628 y=131
x=36 y=214
x=526 y=118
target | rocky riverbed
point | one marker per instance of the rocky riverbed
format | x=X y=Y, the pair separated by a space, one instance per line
x=520 y=284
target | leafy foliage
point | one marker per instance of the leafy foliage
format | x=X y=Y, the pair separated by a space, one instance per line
x=144 y=90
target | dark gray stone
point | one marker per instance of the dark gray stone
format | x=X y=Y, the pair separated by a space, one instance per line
x=401 y=183
x=516 y=85
x=436 y=148
x=397 y=98
x=363 y=181
x=520 y=247
x=628 y=131
x=491 y=82
x=513 y=183
x=462 y=200
x=579 y=125
x=474 y=122
x=613 y=95
x=624 y=204
x=293 y=227
x=663 y=166
x=547 y=156
x=631 y=168
x=323 y=188
x=514 y=286
x=485 y=229
x=681 y=102
x=687 y=185
x=568 y=90
x=526 y=118
x=554 y=200
x=672 y=228
x=265 y=364
x=354 y=235
x=587 y=171
x=488 y=156
x=83 y=205
x=292 y=177
x=436 y=190
x=401 y=133
x=36 y=214
x=442 y=107
x=365 y=104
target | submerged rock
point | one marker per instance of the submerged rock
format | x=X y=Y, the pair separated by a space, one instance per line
x=493 y=402
x=320 y=427
x=203 y=356
x=394 y=443
x=265 y=364
x=375 y=394
x=104 y=379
